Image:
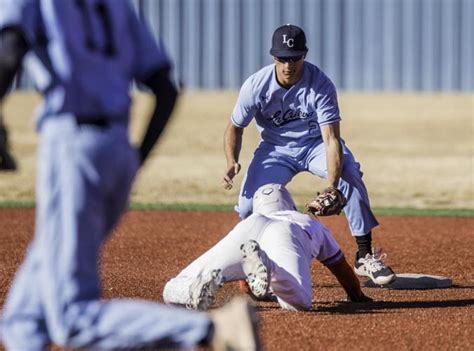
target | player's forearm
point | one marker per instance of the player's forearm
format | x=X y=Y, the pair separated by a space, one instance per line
x=13 y=47
x=232 y=143
x=334 y=161
x=165 y=100
x=346 y=277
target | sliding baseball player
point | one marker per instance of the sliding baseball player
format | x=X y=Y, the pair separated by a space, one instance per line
x=272 y=250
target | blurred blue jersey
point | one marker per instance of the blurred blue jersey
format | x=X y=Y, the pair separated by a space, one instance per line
x=84 y=53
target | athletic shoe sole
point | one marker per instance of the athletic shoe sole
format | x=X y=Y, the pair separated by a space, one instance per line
x=258 y=274
x=202 y=293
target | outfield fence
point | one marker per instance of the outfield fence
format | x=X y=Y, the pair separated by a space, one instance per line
x=369 y=45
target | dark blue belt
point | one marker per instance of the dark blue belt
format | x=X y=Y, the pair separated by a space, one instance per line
x=98 y=121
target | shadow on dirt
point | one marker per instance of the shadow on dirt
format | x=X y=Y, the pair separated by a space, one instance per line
x=382 y=306
x=374 y=307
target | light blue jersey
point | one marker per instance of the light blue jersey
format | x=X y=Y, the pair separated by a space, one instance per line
x=84 y=53
x=288 y=118
x=289 y=122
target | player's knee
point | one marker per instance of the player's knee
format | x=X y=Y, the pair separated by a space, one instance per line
x=244 y=210
x=304 y=303
x=296 y=305
x=299 y=301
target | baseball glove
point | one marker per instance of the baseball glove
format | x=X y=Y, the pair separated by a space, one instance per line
x=327 y=203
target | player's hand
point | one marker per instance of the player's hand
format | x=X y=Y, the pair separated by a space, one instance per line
x=360 y=298
x=232 y=170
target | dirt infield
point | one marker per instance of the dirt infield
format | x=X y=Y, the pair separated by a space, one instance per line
x=151 y=246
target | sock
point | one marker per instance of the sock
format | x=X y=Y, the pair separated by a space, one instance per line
x=364 y=244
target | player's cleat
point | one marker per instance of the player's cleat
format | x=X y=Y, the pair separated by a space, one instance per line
x=256 y=266
x=235 y=326
x=201 y=293
x=373 y=267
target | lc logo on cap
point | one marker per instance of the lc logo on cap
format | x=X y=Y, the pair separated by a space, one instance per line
x=288 y=40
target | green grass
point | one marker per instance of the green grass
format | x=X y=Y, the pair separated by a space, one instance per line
x=17 y=204
x=227 y=208
x=435 y=212
x=182 y=207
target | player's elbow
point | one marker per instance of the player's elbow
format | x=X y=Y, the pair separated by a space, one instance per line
x=166 y=97
x=232 y=132
x=8 y=61
x=237 y=130
x=12 y=49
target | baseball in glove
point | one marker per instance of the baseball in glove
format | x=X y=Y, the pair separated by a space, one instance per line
x=327 y=203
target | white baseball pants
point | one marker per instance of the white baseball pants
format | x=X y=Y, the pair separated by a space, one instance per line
x=287 y=246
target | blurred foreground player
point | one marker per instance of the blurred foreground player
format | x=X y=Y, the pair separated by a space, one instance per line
x=83 y=55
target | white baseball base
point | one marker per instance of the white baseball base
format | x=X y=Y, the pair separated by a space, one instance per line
x=414 y=281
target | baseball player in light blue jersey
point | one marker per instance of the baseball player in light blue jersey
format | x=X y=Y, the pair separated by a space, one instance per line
x=296 y=111
x=83 y=55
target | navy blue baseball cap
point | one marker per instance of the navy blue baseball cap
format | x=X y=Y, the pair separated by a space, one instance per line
x=288 y=40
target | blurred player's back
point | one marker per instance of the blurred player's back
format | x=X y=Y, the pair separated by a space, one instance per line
x=88 y=50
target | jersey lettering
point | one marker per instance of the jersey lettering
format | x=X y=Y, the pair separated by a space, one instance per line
x=313 y=127
x=281 y=118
